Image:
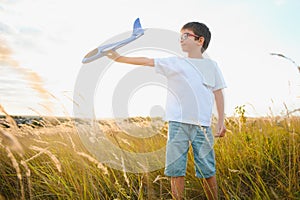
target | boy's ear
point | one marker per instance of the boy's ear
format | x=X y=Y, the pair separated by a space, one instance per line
x=201 y=40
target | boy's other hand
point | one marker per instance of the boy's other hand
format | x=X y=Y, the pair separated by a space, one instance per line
x=221 y=130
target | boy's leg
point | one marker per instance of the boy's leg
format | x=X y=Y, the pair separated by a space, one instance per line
x=202 y=143
x=177 y=187
x=211 y=188
x=176 y=157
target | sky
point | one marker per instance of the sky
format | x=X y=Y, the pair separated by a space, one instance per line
x=42 y=44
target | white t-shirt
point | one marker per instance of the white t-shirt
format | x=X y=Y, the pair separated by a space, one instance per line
x=191 y=83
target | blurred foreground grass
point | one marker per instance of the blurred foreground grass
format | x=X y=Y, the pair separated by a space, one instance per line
x=258 y=159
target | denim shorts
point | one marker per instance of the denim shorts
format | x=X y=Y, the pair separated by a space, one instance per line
x=180 y=137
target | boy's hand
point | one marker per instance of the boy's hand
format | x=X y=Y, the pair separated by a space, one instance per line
x=113 y=55
x=221 y=129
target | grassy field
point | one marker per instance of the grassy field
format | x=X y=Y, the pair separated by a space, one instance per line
x=258 y=159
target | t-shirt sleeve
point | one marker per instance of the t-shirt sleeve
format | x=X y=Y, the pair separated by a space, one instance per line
x=219 y=79
x=163 y=66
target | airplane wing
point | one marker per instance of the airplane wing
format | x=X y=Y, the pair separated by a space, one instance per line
x=101 y=51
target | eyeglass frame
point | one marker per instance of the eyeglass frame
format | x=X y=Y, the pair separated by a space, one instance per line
x=185 y=36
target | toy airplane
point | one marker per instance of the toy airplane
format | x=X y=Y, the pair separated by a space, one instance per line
x=103 y=50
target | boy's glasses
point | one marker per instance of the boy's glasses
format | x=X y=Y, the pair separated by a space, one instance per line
x=185 y=36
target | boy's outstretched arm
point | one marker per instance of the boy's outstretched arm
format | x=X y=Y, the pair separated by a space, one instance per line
x=219 y=98
x=130 y=60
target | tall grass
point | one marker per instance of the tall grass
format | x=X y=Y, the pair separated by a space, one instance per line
x=258 y=159
x=262 y=161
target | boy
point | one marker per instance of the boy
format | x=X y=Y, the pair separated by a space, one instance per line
x=193 y=83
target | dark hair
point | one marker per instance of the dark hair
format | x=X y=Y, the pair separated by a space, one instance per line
x=199 y=29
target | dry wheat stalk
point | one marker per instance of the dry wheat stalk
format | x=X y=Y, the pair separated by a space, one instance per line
x=93 y=160
x=62 y=143
x=12 y=142
x=41 y=141
x=28 y=173
x=72 y=142
x=124 y=173
x=47 y=152
x=9 y=119
x=16 y=167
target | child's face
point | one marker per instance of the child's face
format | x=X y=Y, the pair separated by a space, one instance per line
x=190 y=41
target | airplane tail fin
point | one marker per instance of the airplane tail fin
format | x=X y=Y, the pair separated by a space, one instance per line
x=137 y=28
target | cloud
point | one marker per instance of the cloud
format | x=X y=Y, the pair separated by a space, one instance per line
x=23 y=29
x=9 y=1
x=5 y=54
x=34 y=80
x=23 y=38
x=28 y=30
x=6 y=29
